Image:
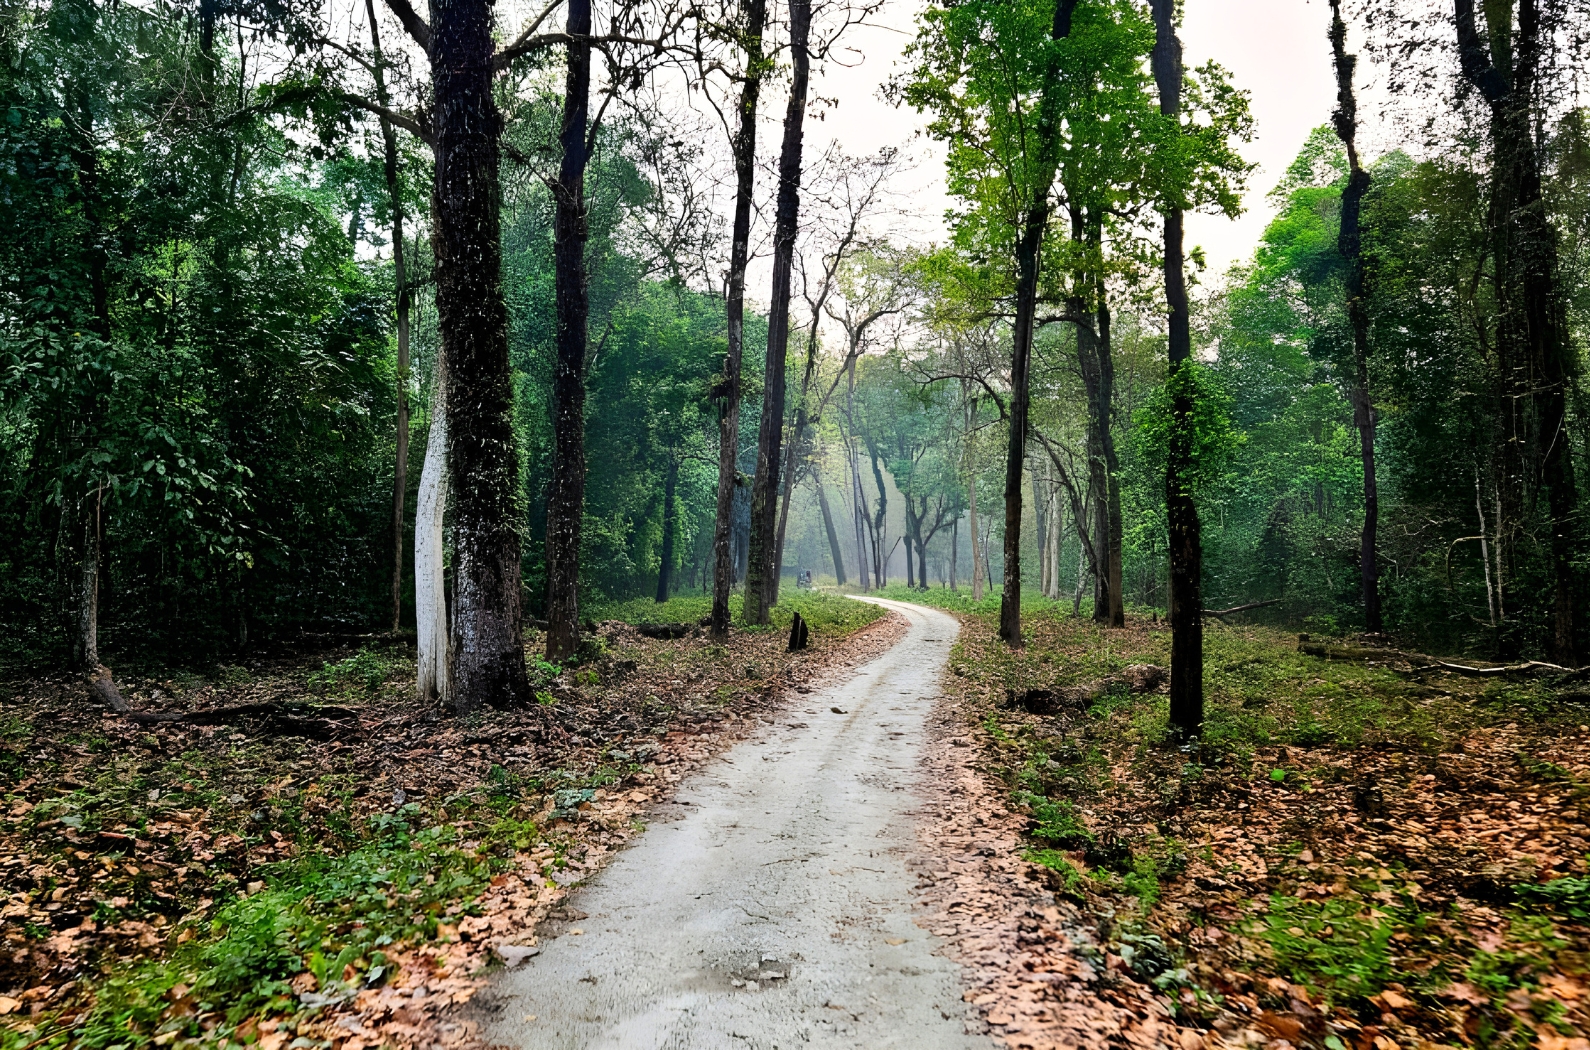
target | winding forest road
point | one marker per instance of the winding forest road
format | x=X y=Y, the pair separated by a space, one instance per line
x=775 y=911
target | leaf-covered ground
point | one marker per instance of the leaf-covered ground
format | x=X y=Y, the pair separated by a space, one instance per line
x=184 y=885
x=1360 y=853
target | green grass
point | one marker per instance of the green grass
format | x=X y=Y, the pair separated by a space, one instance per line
x=332 y=917
x=825 y=613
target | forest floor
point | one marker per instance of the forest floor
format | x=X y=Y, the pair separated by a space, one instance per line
x=1363 y=852
x=315 y=859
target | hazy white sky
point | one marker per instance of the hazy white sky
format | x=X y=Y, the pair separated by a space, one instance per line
x=1276 y=49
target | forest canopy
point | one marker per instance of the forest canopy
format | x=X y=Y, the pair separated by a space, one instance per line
x=228 y=294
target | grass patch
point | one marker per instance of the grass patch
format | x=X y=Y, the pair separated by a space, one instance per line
x=823 y=612
x=310 y=933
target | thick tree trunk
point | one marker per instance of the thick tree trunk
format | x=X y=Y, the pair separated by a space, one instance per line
x=1186 y=547
x=670 y=527
x=430 y=592
x=400 y=474
x=761 y=581
x=828 y=527
x=488 y=652
x=566 y=495
x=1535 y=359
x=1350 y=242
x=728 y=389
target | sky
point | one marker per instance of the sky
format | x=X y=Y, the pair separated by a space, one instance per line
x=1275 y=49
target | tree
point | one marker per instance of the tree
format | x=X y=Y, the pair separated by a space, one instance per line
x=1350 y=244
x=1186 y=549
x=761 y=579
x=1535 y=363
x=728 y=391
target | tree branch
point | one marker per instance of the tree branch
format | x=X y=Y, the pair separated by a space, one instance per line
x=412 y=23
x=411 y=123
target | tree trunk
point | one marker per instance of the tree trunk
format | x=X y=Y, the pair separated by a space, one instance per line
x=977 y=558
x=880 y=521
x=1114 y=552
x=791 y=457
x=1350 y=242
x=566 y=495
x=400 y=474
x=761 y=583
x=1029 y=245
x=670 y=527
x=86 y=645
x=728 y=389
x=1040 y=521
x=430 y=585
x=913 y=545
x=488 y=648
x=828 y=527
x=955 y=550
x=1186 y=548
x=1535 y=358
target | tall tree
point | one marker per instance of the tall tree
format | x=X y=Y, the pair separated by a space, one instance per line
x=1535 y=363
x=389 y=167
x=728 y=389
x=1350 y=243
x=761 y=579
x=1186 y=546
x=566 y=498
x=487 y=638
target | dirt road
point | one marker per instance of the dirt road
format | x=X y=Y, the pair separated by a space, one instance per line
x=771 y=905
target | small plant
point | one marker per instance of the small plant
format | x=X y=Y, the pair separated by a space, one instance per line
x=1067 y=879
x=1332 y=945
x=1057 y=822
x=365 y=670
x=1567 y=896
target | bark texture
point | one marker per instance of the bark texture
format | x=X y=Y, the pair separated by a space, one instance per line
x=1349 y=243
x=1186 y=542
x=566 y=495
x=728 y=390
x=761 y=575
x=1534 y=357
x=487 y=641
x=430 y=595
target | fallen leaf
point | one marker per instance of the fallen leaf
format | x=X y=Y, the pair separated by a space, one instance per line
x=1395 y=1001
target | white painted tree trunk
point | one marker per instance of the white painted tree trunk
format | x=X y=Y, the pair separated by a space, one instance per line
x=430 y=599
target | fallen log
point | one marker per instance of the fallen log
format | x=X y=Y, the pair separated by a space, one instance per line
x=1221 y=614
x=321 y=723
x=1526 y=666
x=663 y=630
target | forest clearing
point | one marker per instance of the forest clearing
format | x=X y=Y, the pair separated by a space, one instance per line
x=562 y=524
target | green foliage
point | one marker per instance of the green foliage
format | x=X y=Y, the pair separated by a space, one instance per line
x=1215 y=439
x=365 y=671
x=824 y=613
x=1333 y=945
x=1568 y=896
x=1072 y=882
x=329 y=916
x=1057 y=822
